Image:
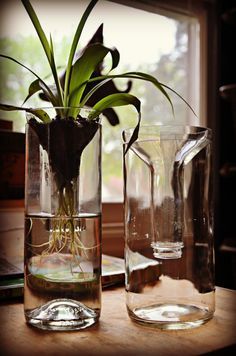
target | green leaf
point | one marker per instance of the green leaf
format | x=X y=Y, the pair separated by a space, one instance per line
x=153 y=80
x=53 y=99
x=7 y=107
x=48 y=49
x=141 y=76
x=38 y=28
x=93 y=90
x=134 y=136
x=83 y=69
x=119 y=99
x=33 y=88
x=180 y=96
x=160 y=86
x=74 y=46
x=59 y=94
x=115 y=57
x=134 y=75
x=39 y=113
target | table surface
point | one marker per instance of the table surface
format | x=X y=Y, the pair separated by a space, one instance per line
x=116 y=334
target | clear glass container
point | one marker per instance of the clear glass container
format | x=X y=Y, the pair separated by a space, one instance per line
x=169 y=249
x=63 y=222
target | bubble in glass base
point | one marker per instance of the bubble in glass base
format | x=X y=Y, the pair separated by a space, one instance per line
x=171 y=316
x=62 y=314
x=167 y=250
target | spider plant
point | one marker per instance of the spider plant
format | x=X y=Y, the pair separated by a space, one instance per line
x=70 y=95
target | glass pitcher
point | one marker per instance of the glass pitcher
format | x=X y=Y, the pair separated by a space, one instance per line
x=169 y=250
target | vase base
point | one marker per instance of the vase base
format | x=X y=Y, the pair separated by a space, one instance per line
x=171 y=316
x=167 y=250
x=62 y=314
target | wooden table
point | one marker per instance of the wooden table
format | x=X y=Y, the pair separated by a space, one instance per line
x=116 y=334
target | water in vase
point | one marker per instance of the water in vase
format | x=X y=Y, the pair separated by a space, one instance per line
x=62 y=271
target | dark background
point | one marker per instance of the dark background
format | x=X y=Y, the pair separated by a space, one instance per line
x=225 y=217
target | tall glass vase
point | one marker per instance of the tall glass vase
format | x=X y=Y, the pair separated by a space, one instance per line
x=63 y=221
x=169 y=250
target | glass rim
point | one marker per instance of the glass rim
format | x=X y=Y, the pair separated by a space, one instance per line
x=84 y=107
x=162 y=129
x=51 y=111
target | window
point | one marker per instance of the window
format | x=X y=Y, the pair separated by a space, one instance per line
x=164 y=39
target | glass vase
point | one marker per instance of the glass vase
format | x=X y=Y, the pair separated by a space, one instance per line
x=169 y=250
x=63 y=221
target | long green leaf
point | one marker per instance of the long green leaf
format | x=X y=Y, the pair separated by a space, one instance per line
x=38 y=28
x=33 y=88
x=46 y=46
x=140 y=76
x=160 y=86
x=36 y=86
x=55 y=75
x=119 y=99
x=112 y=100
x=133 y=75
x=41 y=114
x=180 y=96
x=74 y=46
x=83 y=69
x=93 y=90
x=53 y=99
x=153 y=80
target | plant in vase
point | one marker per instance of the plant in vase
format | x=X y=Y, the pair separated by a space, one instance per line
x=62 y=260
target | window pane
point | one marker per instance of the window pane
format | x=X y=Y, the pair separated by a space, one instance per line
x=167 y=48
